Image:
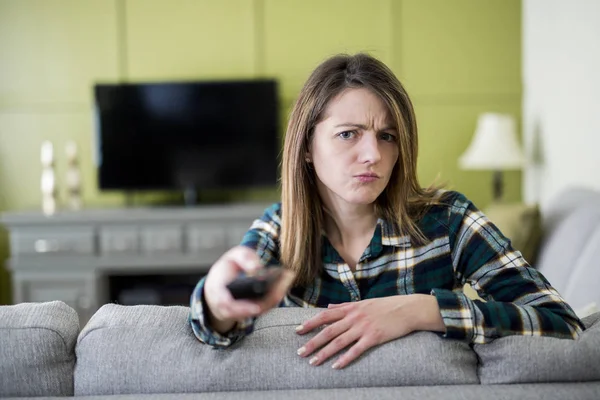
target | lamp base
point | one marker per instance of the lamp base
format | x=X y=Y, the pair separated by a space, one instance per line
x=498 y=185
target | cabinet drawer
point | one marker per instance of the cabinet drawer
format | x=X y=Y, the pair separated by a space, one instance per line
x=162 y=239
x=75 y=289
x=64 y=240
x=71 y=291
x=206 y=237
x=119 y=240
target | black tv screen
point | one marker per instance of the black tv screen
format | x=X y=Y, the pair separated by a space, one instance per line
x=189 y=135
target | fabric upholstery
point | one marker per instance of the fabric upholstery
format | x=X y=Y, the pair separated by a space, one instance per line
x=569 y=259
x=524 y=359
x=37 y=354
x=151 y=349
x=566 y=202
x=551 y=391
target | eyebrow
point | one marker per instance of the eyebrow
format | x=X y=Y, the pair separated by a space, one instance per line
x=361 y=126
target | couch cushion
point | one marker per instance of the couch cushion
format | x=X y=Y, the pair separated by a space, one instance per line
x=524 y=359
x=151 y=349
x=37 y=342
x=569 y=257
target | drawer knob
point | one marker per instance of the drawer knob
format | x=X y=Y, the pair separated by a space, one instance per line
x=45 y=246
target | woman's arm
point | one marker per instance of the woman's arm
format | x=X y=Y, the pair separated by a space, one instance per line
x=518 y=298
x=262 y=239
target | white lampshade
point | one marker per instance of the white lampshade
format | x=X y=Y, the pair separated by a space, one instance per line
x=494 y=146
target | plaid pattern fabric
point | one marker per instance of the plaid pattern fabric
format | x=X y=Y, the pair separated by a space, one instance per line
x=464 y=247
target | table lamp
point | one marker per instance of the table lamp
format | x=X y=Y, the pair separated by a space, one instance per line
x=494 y=147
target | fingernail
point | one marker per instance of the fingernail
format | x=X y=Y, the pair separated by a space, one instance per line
x=313 y=360
x=335 y=365
x=299 y=328
x=301 y=350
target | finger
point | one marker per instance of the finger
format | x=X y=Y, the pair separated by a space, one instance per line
x=229 y=308
x=353 y=353
x=242 y=309
x=331 y=340
x=245 y=259
x=322 y=318
x=336 y=305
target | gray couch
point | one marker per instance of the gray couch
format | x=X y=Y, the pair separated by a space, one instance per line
x=149 y=351
x=570 y=251
x=134 y=350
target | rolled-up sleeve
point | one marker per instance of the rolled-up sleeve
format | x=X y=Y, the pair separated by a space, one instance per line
x=518 y=300
x=202 y=330
x=263 y=237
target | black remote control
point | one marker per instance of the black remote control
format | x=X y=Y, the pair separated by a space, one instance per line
x=254 y=286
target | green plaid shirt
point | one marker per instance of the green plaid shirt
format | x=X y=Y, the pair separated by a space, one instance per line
x=464 y=247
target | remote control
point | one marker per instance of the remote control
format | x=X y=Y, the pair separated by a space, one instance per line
x=254 y=286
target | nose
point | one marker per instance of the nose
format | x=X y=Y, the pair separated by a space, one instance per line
x=369 y=151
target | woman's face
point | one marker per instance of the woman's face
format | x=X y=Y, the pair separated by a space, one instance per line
x=354 y=148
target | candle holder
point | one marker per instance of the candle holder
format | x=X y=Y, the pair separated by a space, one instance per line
x=48 y=179
x=73 y=177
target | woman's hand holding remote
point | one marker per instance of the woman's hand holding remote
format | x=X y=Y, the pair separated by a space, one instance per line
x=223 y=310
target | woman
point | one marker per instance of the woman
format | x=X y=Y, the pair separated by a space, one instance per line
x=356 y=234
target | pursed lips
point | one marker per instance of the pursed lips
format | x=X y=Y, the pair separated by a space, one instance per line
x=367 y=177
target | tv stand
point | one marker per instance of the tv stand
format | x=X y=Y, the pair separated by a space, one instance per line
x=73 y=256
x=190 y=196
x=129 y=199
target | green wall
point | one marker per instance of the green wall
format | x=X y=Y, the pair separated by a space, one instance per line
x=457 y=58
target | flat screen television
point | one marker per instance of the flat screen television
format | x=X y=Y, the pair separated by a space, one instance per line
x=187 y=135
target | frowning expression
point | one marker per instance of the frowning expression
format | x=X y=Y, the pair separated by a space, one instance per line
x=354 y=148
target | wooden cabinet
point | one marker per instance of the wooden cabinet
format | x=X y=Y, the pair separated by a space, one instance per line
x=77 y=289
x=119 y=240
x=68 y=256
x=162 y=239
x=50 y=241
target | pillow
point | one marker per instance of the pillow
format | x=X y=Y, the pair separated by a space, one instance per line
x=37 y=349
x=526 y=359
x=588 y=310
x=521 y=223
x=151 y=349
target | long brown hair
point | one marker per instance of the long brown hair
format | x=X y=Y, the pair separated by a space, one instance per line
x=402 y=202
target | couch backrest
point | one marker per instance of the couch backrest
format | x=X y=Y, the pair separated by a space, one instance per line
x=151 y=349
x=37 y=355
x=525 y=359
x=565 y=202
x=570 y=251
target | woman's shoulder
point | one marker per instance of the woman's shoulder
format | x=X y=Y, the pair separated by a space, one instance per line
x=445 y=206
x=266 y=225
x=444 y=200
x=272 y=214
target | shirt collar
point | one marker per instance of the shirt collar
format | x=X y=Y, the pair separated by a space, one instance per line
x=386 y=234
x=391 y=236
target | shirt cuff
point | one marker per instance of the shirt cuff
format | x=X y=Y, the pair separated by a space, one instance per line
x=457 y=314
x=202 y=330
